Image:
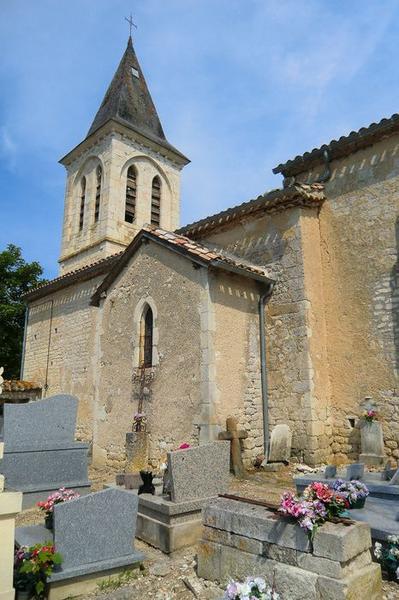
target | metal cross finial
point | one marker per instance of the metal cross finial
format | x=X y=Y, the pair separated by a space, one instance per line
x=131 y=24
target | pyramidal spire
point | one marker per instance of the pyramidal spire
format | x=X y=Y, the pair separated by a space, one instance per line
x=128 y=100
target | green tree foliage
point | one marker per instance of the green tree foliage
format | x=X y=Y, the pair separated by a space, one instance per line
x=16 y=277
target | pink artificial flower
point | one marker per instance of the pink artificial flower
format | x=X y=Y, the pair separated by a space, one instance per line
x=184 y=446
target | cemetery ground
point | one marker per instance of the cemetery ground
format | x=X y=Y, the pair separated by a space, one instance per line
x=174 y=577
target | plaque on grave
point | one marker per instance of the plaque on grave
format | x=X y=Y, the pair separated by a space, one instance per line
x=355 y=471
x=330 y=471
x=372 y=443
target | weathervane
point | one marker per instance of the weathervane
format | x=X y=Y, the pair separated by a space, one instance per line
x=131 y=24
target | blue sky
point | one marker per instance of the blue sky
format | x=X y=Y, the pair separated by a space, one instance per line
x=240 y=86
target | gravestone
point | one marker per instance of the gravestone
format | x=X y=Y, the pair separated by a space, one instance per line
x=173 y=521
x=388 y=472
x=355 y=471
x=201 y=472
x=233 y=434
x=330 y=471
x=395 y=478
x=94 y=534
x=372 y=443
x=40 y=452
x=280 y=444
x=240 y=540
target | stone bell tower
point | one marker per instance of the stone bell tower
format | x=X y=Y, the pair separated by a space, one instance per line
x=123 y=175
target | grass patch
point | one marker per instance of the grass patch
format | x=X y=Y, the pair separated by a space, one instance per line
x=116 y=581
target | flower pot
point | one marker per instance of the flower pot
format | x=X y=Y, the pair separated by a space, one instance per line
x=358 y=504
x=49 y=521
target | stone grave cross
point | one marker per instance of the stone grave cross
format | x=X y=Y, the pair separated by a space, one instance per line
x=234 y=435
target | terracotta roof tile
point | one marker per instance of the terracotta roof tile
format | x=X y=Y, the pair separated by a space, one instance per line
x=280 y=199
x=16 y=385
x=345 y=145
x=206 y=253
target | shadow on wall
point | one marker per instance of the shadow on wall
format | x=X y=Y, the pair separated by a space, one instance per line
x=395 y=298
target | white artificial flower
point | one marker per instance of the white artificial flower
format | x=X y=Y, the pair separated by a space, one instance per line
x=377 y=549
x=261 y=583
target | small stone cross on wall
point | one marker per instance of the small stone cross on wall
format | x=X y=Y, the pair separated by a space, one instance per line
x=234 y=435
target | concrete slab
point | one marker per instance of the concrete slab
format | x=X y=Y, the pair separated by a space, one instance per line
x=381 y=515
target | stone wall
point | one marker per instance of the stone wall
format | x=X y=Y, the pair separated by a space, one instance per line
x=359 y=245
x=237 y=358
x=172 y=287
x=61 y=353
x=276 y=241
x=241 y=540
x=111 y=233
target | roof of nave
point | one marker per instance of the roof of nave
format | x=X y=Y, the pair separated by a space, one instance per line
x=77 y=275
x=198 y=253
x=113 y=265
x=345 y=145
x=299 y=194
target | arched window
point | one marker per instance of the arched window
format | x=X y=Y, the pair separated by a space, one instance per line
x=146 y=337
x=99 y=176
x=130 y=207
x=156 y=201
x=82 y=202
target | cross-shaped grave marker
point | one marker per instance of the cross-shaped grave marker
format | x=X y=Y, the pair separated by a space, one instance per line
x=234 y=435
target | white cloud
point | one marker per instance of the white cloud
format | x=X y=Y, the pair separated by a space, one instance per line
x=8 y=149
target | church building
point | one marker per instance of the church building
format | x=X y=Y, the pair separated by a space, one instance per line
x=283 y=309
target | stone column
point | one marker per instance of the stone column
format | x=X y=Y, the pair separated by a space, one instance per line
x=10 y=506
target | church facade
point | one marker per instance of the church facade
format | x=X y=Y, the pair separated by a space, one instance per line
x=281 y=310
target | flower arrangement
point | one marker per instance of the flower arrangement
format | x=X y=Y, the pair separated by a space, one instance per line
x=354 y=491
x=370 y=415
x=317 y=504
x=388 y=555
x=251 y=589
x=33 y=566
x=62 y=495
x=139 y=421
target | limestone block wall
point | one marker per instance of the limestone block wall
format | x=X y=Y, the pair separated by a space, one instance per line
x=173 y=388
x=237 y=357
x=60 y=348
x=240 y=540
x=277 y=241
x=359 y=232
x=114 y=153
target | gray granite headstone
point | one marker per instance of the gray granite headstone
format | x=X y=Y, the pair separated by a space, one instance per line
x=201 y=472
x=330 y=471
x=40 y=451
x=94 y=528
x=355 y=471
x=94 y=533
x=280 y=444
x=44 y=423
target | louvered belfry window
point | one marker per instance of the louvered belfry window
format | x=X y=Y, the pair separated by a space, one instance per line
x=99 y=176
x=82 y=202
x=156 y=201
x=130 y=206
x=146 y=338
